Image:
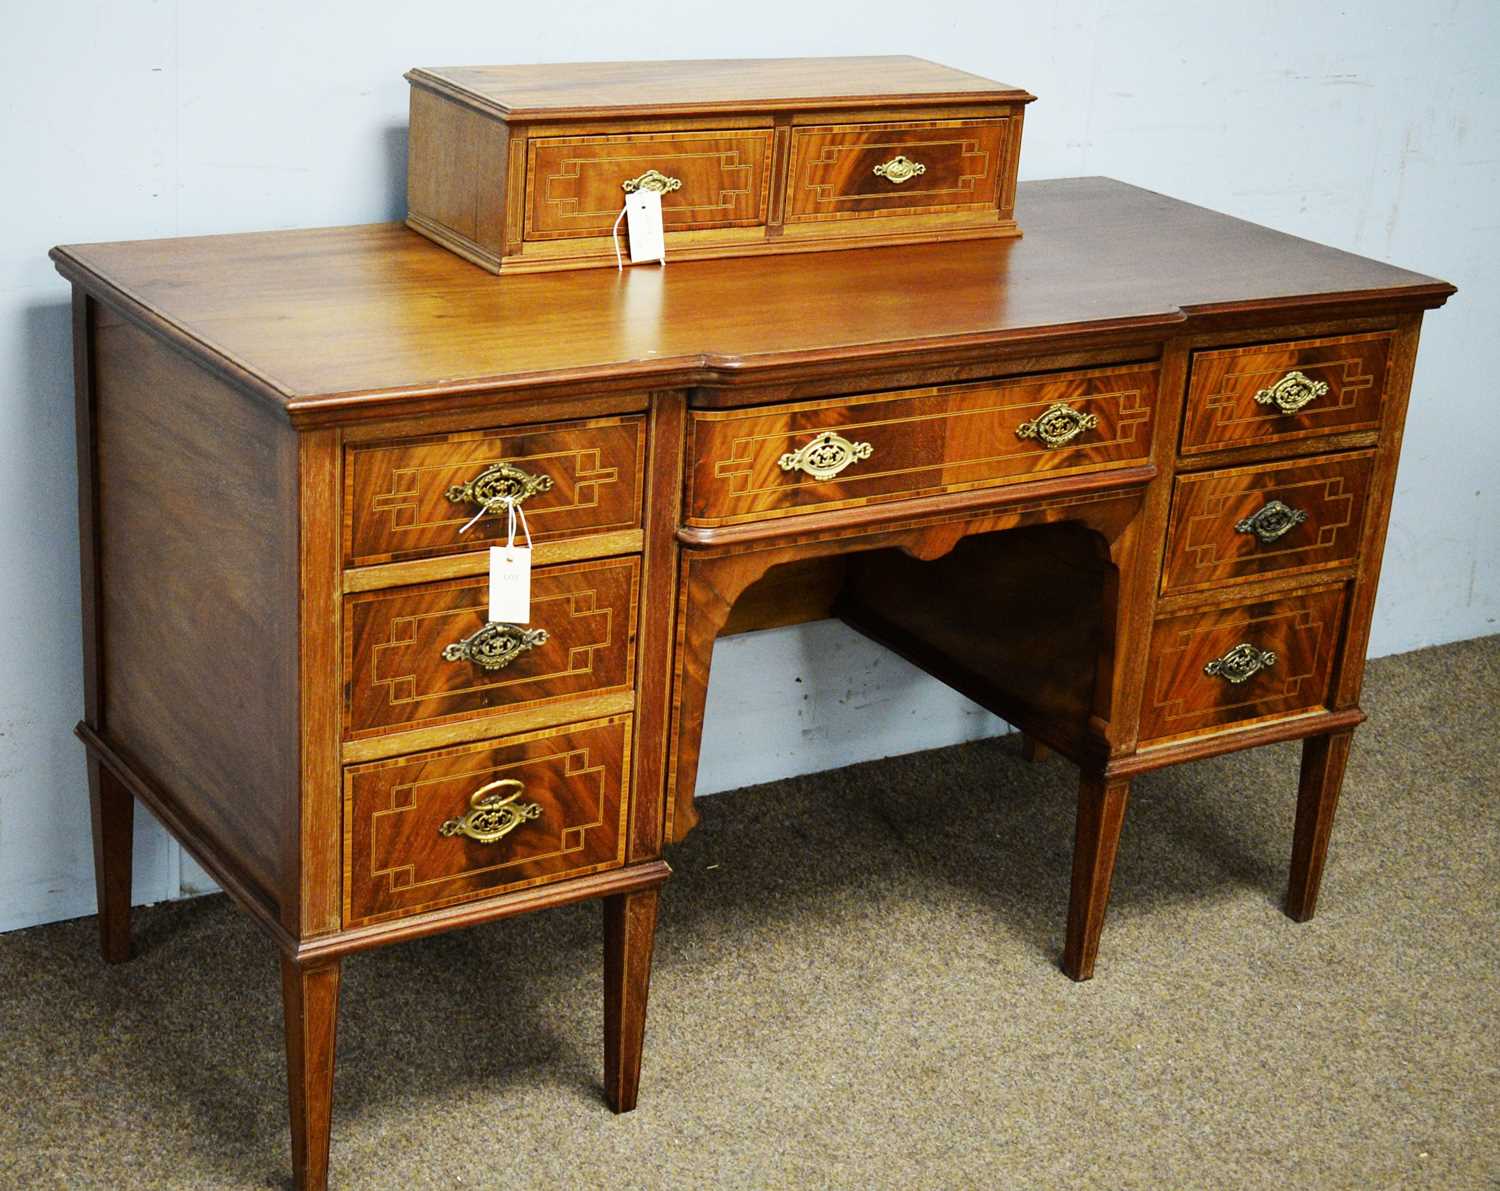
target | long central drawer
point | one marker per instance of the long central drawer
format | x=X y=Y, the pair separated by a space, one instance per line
x=774 y=460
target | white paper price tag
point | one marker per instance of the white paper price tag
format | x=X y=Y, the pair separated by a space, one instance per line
x=643 y=221
x=510 y=584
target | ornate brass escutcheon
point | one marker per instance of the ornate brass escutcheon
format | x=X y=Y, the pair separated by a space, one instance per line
x=899 y=169
x=1058 y=426
x=1272 y=520
x=1242 y=662
x=495 y=646
x=651 y=180
x=1292 y=392
x=498 y=485
x=493 y=814
x=825 y=456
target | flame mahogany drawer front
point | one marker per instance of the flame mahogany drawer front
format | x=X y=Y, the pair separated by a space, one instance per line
x=422 y=655
x=1233 y=666
x=1282 y=392
x=412 y=499
x=861 y=171
x=461 y=823
x=780 y=459
x=1272 y=519
x=575 y=184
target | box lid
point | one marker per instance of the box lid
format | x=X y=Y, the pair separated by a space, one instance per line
x=577 y=90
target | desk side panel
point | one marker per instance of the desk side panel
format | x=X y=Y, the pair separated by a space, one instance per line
x=198 y=588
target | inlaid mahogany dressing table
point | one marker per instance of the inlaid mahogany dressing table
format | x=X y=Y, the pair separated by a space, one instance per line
x=1124 y=480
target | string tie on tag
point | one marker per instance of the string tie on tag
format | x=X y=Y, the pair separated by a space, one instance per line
x=513 y=511
x=483 y=510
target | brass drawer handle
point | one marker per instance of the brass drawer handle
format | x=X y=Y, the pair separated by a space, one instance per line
x=1242 y=662
x=825 y=456
x=495 y=646
x=652 y=180
x=497 y=486
x=1292 y=392
x=1271 y=521
x=899 y=169
x=492 y=815
x=1058 y=426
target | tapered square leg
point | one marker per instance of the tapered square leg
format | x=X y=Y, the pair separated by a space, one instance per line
x=113 y=818
x=1323 y=761
x=1101 y=814
x=629 y=935
x=1034 y=750
x=310 y=1001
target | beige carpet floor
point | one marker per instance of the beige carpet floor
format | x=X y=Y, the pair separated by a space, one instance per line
x=856 y=986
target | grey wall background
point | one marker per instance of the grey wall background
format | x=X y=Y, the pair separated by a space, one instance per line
x=1374 y=127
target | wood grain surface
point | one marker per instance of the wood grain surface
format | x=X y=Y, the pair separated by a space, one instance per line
x=1320 y=780
x=662 y=88
x=413 y=323
x=398 y=862
x=310 y=1011
x=394 y=642
x=924 y=441
x=112 y=826
x=397 y=505
x=629 y=938
x=1017 y=621
x=574 y=184
x=832 y=172
x=1303 y=631
x=1205 y=547
x=1222 y=409
x=197 y=493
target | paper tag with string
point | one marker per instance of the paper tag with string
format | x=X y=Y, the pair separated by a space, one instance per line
x=510 y=572
x=643 y=222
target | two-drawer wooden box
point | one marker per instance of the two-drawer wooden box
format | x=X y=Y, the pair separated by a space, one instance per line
x=527 y=167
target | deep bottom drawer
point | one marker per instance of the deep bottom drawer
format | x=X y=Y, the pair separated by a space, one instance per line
x=427 y=831
x=1232 y=666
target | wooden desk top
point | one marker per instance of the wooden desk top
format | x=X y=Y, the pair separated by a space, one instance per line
x=321 y=320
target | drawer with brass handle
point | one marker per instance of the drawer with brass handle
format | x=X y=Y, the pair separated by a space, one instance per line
x=577 y=184
x=1271 y=519
x=413 y=498
x=426 y=654
x=769 y=461
x=448 y=826
x=860 y=172
x=1230 y=667
x=1282 y=392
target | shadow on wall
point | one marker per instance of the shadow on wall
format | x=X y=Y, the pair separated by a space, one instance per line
x=393 y=141
x=44 y=845
x=44 y=497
